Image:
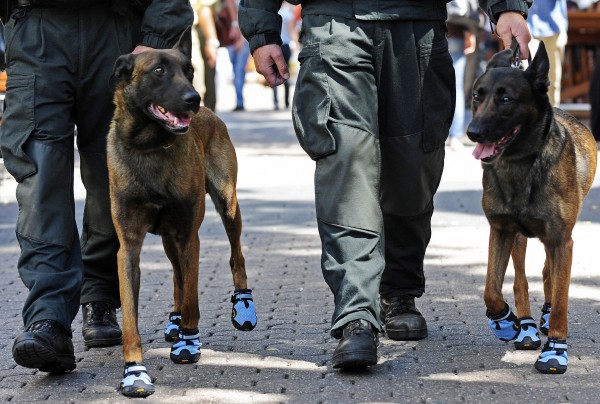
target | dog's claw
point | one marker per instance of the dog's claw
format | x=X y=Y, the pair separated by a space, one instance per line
x=136 y=381
x=243 y=313
x=554 y=358
x=187 y=347
x=528 y=337
x=505 y=325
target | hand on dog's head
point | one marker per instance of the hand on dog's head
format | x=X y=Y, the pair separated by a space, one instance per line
x=537 y=70
x=124 y=64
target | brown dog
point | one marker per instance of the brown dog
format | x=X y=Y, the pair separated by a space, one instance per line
x=164 y=154
x=538 y=165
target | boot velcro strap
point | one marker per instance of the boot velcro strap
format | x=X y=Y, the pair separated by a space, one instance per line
x=175 y=316
x=133 y=369
x=189 y=334
x=557 y=345
x=528 y=321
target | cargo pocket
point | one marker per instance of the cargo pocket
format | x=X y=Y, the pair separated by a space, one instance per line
x=439 y=95
x=312 y=103
x=18 y=123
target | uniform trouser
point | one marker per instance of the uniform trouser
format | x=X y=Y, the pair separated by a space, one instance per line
x=373 y=105
x=59 y=65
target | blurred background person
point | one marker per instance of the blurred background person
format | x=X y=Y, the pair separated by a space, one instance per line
x=547 y=21
x=239 y=52
x=464 y=22
x=289 y=39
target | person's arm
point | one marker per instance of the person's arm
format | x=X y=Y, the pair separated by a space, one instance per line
x=164 y=21
x=509 y=17
x=261 y=26
x=206 y=22
x=234 y=30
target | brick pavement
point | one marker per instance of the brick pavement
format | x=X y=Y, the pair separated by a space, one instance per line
x=287 y=357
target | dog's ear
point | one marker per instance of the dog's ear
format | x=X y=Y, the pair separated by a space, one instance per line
x=123 y=68
x=184 y=44
x=500 y=59
x=539 y=68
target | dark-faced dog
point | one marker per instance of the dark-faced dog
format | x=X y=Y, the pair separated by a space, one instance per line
x=164 y=154
x=538 y=165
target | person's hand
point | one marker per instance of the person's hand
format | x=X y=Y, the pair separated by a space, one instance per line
x=210 y=49
x=470 y=42
x=512 y=25
x=140 y=49
x=269 y=62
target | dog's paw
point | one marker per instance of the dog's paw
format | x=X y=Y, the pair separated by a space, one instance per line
x=545 y=319
x=172 y=327
x=187 y=347
x=243 y=313
x=528 y=337
x=554 y=358
x=505 y=325
x=136 y=381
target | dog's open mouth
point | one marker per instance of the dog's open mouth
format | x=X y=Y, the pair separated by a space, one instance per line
x=178 y=123
x=487 y=152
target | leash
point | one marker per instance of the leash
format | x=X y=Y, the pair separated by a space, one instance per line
x=516 y=58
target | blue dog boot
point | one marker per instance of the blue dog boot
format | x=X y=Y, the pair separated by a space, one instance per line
x=187 y=347
x=172 y=327
x=243 y=313
x=505 y=325
x=528 y=337
x=136 y=382
x=545 y=319
x=554 y=358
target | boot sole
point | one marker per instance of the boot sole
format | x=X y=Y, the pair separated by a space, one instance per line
x=354 y=360
x=406 y=335
x=105 y=342
x=34 y=354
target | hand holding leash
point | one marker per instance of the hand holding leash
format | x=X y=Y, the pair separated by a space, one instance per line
x=511 y=25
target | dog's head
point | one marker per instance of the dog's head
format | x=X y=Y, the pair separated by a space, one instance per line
x=508 y=104
x=157 y=84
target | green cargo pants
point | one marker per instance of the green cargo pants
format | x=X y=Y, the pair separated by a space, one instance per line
x=373 y=105
x=59 y=65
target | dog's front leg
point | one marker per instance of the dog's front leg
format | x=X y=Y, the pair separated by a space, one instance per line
x=184 y=254
x=554 y=357
x=502 y=321
x=528 y=337
x=136 y=381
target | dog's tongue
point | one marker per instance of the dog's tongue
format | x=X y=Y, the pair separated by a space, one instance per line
x=483 y=151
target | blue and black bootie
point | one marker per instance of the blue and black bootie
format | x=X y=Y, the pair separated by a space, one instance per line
x=554 y=358
x=545 y=319
x=505 y=325
x=172 y=327
x=243 y=313
x=528 y=337
x=136 y=382
x=187 y=347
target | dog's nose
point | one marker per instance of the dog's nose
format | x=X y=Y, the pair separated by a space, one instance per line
x=192 y=98
x=474 y=132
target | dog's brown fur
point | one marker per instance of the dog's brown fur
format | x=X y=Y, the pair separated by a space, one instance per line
x=160 y=172
x=535 y=185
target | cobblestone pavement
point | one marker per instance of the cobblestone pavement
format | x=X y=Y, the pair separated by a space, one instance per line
x=287 y=357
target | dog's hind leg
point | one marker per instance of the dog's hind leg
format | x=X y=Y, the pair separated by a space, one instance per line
x=554 y=357
x=528 y=337
x=221 y=182
x=547 y=279
x=184 y=254
x=502 y=321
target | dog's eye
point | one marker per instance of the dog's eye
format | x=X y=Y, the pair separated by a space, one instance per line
x=475 y=97
x=506 y=99
x=159 y=70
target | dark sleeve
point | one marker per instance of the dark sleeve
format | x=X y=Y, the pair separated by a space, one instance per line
x=164 y=21
x=259 y=22
x=494 y=8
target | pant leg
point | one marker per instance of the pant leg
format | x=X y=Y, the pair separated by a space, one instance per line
x=102 y=42
x=416 y=90
x=239 y=60
x=337 y=126
x=37 y=144
x=210 y=94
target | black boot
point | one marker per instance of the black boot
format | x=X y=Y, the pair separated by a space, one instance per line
x=357 y=347
x=100 y=326
x=402 y=320
x=46 y=346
